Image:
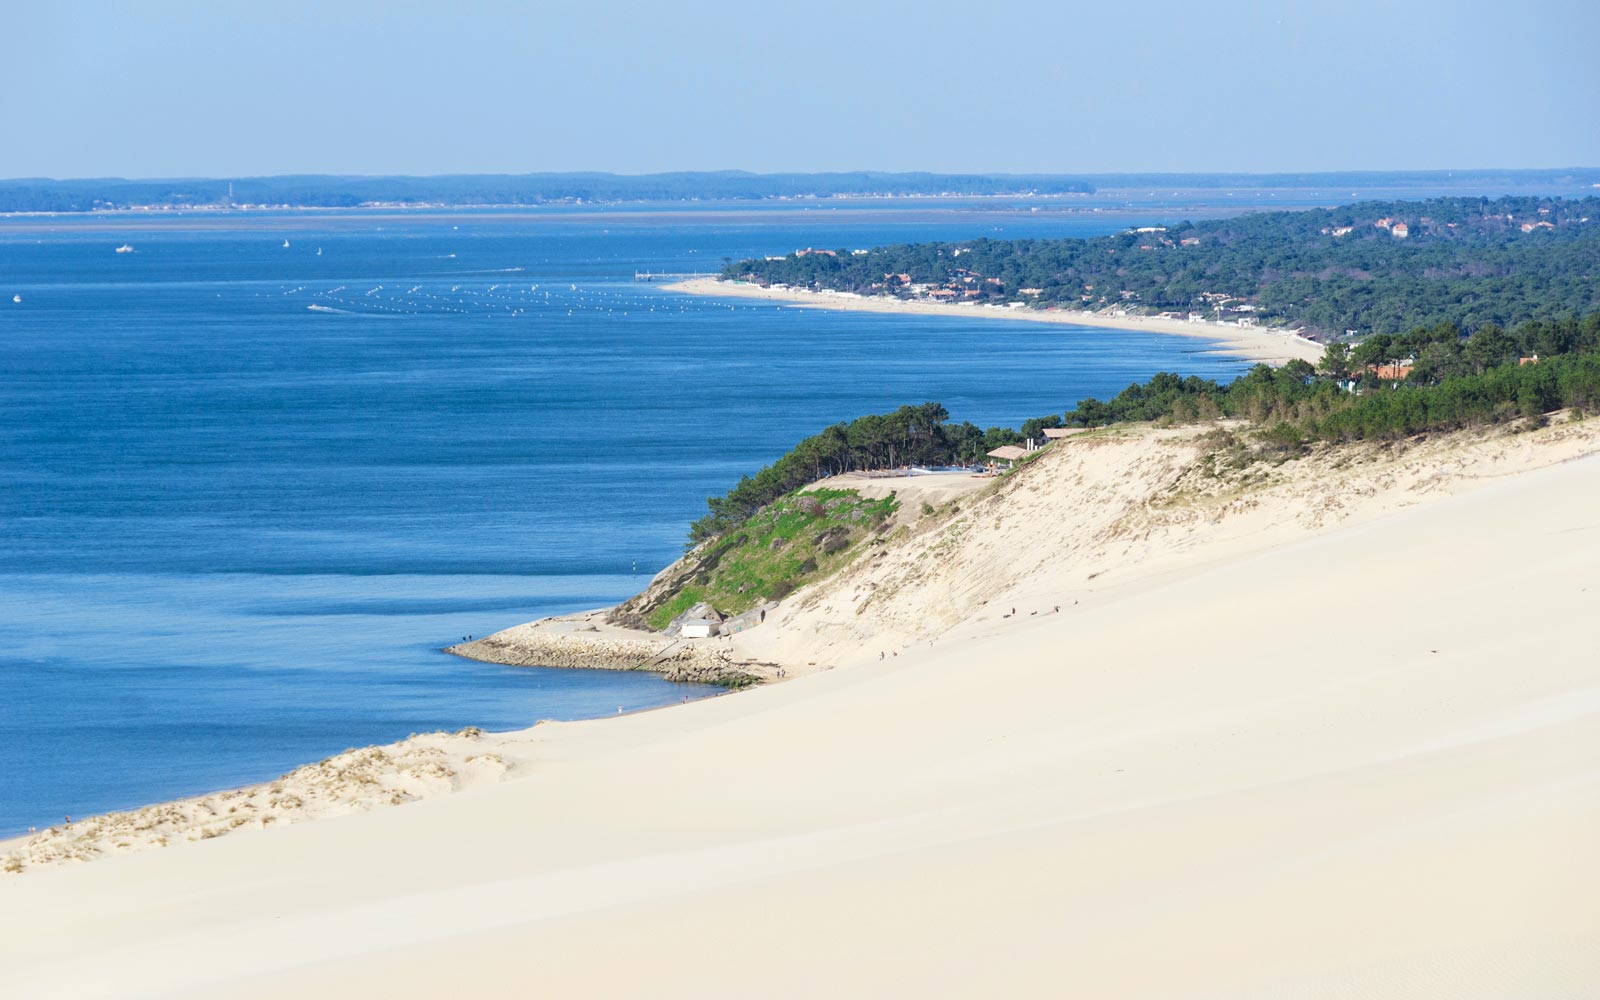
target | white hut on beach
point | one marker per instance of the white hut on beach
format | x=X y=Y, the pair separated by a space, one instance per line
x=700 y=622
x=698 y=628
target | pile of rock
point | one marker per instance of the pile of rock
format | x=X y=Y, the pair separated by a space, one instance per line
x=559 y=643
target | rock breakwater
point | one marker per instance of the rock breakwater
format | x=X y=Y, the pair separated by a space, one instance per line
x=586 y=643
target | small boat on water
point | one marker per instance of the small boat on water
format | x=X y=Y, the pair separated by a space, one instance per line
x=16 y=298
x=286 y=244
x=125 y=248
x=319 y=251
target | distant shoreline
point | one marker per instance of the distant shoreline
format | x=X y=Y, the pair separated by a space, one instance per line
x=124 y=218
x=1254 y=343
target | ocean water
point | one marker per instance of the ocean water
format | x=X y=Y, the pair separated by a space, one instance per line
x=248 y=490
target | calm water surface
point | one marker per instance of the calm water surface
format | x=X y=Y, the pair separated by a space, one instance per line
x=235 y=529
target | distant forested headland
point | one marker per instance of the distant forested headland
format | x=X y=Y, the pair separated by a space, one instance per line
x=476 y=190
x=35 y=195
x=1374 y=267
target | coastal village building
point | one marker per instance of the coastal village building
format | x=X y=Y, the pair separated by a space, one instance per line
x=1390 y=371
x=1008 y=453
x=700 y=622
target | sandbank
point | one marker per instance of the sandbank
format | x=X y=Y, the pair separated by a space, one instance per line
x=1255 y=343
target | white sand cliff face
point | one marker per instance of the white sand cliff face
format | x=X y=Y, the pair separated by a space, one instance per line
x=1097 y=515
x=1332 y=733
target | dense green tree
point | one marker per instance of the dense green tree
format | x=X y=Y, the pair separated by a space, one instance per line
x=1489 y=347
x=909 y=435
x=1335 y=361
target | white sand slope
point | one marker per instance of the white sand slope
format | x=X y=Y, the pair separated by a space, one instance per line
x=1364 y=764
x=354 y=781
x=1097 y=516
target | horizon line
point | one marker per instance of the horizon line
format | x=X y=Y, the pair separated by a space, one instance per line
x=740 y=172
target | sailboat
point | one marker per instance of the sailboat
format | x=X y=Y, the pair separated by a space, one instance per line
x=286 y=244
x=125 y=248
x=319 y=251
x=16 y=298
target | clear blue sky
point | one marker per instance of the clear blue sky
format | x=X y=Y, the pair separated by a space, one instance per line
x=161 y=89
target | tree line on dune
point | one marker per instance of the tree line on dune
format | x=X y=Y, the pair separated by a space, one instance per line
x=1435 y=378
x=911 y=435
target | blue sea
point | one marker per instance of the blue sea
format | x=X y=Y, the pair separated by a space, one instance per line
x=256 y=472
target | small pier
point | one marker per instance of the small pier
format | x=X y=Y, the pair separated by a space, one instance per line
x=671 y=276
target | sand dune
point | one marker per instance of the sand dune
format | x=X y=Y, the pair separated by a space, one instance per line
x=354 y=781
x=1096 y=517
x=1355 y=758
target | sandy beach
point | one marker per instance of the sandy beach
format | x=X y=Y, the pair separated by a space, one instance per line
x=1256 y=343
x=1330 y=735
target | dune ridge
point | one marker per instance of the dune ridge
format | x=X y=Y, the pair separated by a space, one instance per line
x=1323 y=727
x=1098 y=515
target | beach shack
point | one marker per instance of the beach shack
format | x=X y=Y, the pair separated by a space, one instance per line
x=1008 y=453
x=698 y=628
x=1057 y=433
